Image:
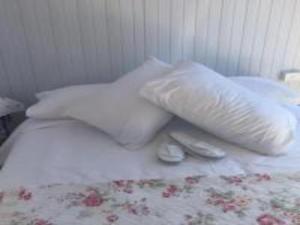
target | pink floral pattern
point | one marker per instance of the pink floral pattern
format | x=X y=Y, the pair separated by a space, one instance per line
x=267 y=219
x=93 y=200
x=41 y=222
x=24 y=194
x=259 y=199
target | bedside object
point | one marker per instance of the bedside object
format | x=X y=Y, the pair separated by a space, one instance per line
x=7 y=107
x=292 y=79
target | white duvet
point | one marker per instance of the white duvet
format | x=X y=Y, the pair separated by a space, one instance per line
x=47 y=152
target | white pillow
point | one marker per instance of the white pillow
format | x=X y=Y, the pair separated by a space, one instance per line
x=71 y=91
x=116 y=108
x=54 y=104
x=220 y=106
x=269 y=88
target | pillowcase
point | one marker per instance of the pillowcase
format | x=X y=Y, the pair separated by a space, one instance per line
x=116 y=108
x=54 y=104
x=269 y=88
x=219 y=106
x=71 y=91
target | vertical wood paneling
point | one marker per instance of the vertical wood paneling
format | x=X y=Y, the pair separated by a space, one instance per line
x=139 y=31
x=236 y=36
x=201 y=30
x=87 y=31
x=271 y=37
x=283 y=35
x=164 y=32
x=40 y=43
x=292 y=49
x=177 y=17
x=263 y=20
x=57 y=20
x=189 y=24
x=77 y=70
x=224 y=39
x=46 y=44
x=248 y=36
x=213 y=29
x=5 y=87
x=15 y=52
x=127 y=28
x=297 y=60
x=113 y=15
x=104 y=56
x=151 y=27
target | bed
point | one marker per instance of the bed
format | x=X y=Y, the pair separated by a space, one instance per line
x=60 y=171
x=81 y=171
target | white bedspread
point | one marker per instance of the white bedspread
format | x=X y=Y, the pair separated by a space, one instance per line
x=46 y=152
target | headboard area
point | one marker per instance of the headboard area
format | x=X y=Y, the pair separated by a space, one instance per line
x=45 y=44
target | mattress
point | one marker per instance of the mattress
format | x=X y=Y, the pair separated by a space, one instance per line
x=68 y=151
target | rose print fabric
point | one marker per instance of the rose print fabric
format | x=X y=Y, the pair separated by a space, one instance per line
x=259 y=199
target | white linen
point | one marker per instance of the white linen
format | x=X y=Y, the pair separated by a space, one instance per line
x=222 y=107
x=270 y=89
x=47 y=152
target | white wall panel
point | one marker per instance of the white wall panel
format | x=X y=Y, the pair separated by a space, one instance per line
x=238 y=29
x=202 y=15
x=213 y=29
x=87 y=31
x=127 y=28
x=164 y=32
x=139 y=30
x=249 y=34
x=177 y=20
x=189 y=25
x=225 y=34
x=15 y=51
x=293 y=41
x=151 y=27
x=5 y=86
x=113 y=17
x=102 y=43
x=261 y=28
x=46 y=44
x=284 y=30
x=272 y=34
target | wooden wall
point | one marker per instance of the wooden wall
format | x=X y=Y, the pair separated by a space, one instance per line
x=46 y=44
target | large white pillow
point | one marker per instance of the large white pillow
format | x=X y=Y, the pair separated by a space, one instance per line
x=218 y=105
x=70 y=91
x=116 y=108
x=54 y=104
x=269 y=88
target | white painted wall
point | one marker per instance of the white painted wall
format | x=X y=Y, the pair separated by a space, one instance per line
x=46 y=44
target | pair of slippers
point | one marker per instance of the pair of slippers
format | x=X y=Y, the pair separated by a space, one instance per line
x=175 y=151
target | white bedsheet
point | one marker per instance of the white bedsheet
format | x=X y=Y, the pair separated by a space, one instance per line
x=46 y=152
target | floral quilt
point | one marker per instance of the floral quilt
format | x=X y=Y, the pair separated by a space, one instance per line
x=259 y=199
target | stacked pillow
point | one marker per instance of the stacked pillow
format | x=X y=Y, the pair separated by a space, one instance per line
x=219 y=106
x=224 y=107
x=116 y=108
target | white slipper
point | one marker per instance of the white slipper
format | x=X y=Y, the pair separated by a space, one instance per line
x=197 y=147
x=171 y=153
